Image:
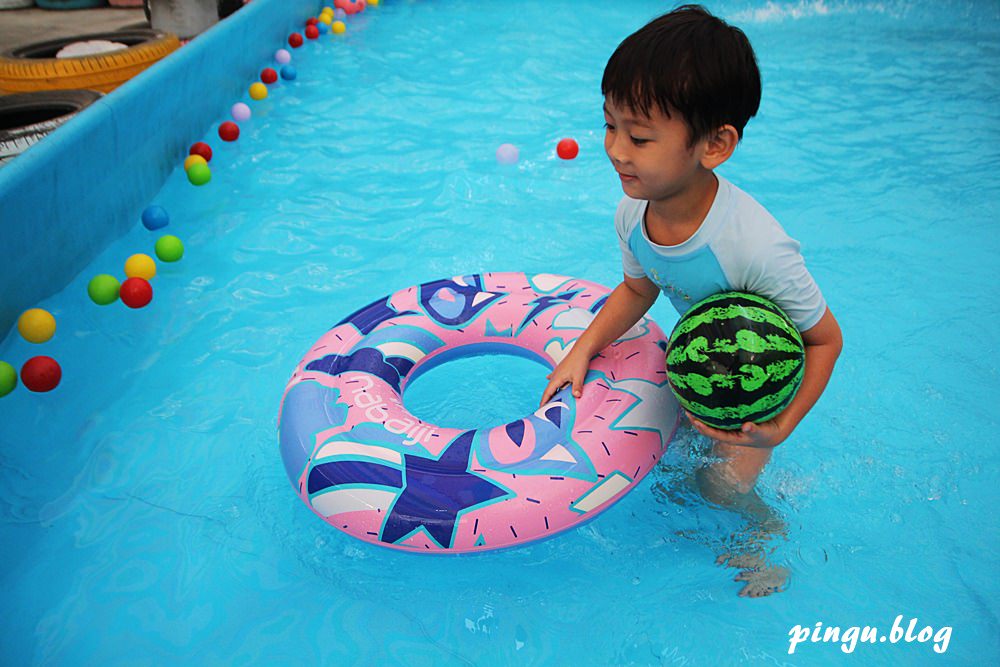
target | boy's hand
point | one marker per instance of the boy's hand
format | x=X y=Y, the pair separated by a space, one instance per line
x=764 y=435
x=571 y=370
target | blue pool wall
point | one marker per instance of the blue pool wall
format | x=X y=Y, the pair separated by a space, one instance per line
x=69 y=196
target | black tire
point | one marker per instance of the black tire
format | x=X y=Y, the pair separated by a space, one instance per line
x=28 y=117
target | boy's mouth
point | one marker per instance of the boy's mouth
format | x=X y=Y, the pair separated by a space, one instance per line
x=626 y=178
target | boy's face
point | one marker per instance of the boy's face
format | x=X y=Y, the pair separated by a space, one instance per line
x=651 y=154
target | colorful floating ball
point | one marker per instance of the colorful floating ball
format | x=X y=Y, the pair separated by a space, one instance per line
x=373 y=3
x=268 y=75
x=734 y=358
x=312 y=32
x=36 y=325
x=103 y=289
x=229 y=131
x=338 y=28
x=507 y=154
x=289 y=73
x=193 y=159
x=326 y=18
x=323 y=28
x=240 y=112
x=155 y=217
x=8 y=378
x=169 y=248
x=258 y=91
x=312 y=20
x=282 y=57
x=199 y=174
x=136 y=292
x=41 y=374
x=295 y=40
x=567 y=149
x=140 y=266
x=202 y=149
x=339 y=14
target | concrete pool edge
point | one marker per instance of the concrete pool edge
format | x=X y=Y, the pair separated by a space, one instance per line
x=69 y=196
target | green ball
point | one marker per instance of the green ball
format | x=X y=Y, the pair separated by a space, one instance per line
x=199 y=174
x=169 y=248
x=103 y=289
x=8 y=378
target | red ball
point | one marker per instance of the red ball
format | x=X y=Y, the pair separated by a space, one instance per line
x=136 y=292
x=229 y=131
x=268 y=75
x=567 y=149
x=295 y=40
x=202 y=149
x=41 y=374
x=312 y=32
x=312 y=21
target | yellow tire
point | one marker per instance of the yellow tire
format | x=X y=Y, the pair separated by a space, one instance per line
x=35 y=67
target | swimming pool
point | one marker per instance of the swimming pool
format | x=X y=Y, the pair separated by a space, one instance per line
x=145 y=515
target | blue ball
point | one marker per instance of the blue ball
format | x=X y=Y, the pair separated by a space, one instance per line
x=155 y=217
x=289 y=73
x=323 y=28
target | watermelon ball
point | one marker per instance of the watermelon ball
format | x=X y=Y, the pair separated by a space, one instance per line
x=36 y=325
x=41 y=374
x=155 y=217
x=289 y=73
x=202 y=149
x=295 y=40
x=199 y=174
x=735 y=358
x=136 y=292
x=282 y=57
x=567 y=149
x=268 y=75
x=312 y=32
x=103 y=289
x=169 y=248
x=229 y=131
x=240 y=112
x=140 y=266
x=8 y=378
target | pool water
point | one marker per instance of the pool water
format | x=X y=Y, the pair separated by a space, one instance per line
x=145 y=516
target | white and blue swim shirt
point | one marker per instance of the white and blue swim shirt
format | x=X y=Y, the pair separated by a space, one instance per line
x=739 y=246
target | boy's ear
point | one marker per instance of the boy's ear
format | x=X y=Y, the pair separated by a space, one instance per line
x=719 y=146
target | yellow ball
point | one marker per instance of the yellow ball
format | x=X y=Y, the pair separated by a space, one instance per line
x=326 y=18
x=373 y=3
x=193 y=159
x=338 y=27
x=140 y=266
x=36 y=325
x=258 y=91
x=327 y=10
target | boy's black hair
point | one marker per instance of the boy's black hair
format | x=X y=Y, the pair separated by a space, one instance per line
x=690 y=61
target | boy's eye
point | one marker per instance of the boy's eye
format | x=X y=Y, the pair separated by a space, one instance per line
x=639 y=142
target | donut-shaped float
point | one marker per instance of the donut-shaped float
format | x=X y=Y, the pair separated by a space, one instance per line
x=368 y=467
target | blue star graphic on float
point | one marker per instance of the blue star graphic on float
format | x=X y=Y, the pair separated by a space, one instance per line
x=435 y=492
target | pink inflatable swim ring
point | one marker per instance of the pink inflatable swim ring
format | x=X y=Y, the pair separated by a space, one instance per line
x=368 y=467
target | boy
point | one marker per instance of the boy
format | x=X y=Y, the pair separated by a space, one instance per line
x=677 y=95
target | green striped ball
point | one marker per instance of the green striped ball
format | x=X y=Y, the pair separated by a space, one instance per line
x=733 y=358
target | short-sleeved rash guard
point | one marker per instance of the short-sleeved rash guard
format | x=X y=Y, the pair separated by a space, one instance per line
x=739 y=246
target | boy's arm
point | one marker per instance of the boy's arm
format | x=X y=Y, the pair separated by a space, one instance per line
x=823 y=343
x=627 y=303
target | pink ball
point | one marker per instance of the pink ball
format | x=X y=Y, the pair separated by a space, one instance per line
x=241 y=112
x=507 y=154
x=282 y=57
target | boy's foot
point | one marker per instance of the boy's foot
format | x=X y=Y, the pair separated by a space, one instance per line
x=763 y=581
